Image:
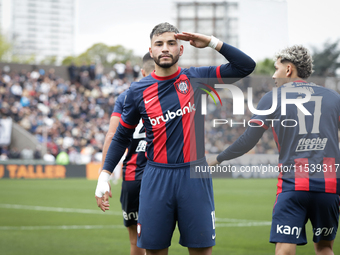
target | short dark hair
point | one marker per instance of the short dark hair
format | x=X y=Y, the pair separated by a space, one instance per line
x=163 y=28
x=147 y=57
x=148 y=63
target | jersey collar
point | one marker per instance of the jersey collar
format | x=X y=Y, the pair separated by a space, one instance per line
x=300 y=81
x=163 y=78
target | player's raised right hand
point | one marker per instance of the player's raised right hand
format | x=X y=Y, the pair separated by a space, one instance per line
x=195 y=39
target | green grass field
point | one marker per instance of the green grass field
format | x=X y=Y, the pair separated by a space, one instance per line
x=61 y=217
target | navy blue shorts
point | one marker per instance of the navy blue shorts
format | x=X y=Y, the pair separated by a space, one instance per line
x=168 y=194
x=129 y=198
x=293 y=209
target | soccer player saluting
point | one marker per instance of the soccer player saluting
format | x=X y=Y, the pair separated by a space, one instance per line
x=169 y=105
x=308 y=184
x=133 y=164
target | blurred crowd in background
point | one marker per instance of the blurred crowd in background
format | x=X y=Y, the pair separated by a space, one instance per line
x=71 y=117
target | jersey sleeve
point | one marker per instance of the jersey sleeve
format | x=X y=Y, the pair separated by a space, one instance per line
x=122 y=138
x=130 y=116
x=242 y=145
x=119 y=104
x=240 y=65
x=338 y=107
x=258 y=124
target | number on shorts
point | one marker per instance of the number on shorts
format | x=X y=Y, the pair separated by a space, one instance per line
x=213 y=218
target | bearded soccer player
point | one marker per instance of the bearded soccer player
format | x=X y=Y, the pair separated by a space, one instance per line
x=133 y=164
x=308 y=184
x=168 y=104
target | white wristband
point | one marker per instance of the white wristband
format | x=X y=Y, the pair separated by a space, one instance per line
x=213 y=42
x=104 y=177
x=102 y=185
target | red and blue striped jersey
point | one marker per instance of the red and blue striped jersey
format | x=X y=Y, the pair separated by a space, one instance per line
x=135 y=160
x=170 y=108
x=170 y=113
x=308 y=145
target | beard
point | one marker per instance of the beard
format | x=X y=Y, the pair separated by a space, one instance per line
x=166 y=65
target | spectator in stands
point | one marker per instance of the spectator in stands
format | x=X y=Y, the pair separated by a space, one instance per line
x=72 y=72
x=83 y=67
x=49 y=157
x=52 y=74
x=26 y=153
x=4 y=153
x=35 y=74
x=37 y=152
x=99 y=71
x=14 y=153
x=62 y=158
x=74 y=156
x=92 y=71
x=16 y=90
x=136 y=72
x=129 y=71
x=119 y=67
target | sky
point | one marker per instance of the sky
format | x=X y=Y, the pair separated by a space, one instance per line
x=129 y=22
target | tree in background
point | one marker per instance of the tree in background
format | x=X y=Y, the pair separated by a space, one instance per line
x=29 y=60
x=5 y=48
x=326 y=60
x=265 y=67
x=49 y=60
x=99 y=53
x=106 y=55
x=7 y=55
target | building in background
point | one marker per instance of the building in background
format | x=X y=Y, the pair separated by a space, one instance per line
x=244 y=24
x=39 y=29
x=211 y=18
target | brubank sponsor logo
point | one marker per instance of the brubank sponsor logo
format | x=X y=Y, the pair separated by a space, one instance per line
x=287 y=230
x=171 y=115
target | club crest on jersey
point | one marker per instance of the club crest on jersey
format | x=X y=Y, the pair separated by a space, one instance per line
x=182 y=84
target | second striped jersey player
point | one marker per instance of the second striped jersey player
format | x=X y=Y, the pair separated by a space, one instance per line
x=306 y=135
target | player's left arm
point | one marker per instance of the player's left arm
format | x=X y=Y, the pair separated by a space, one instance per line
x=102 y=201
x=241 y=146
x=116 y=149
x=114 y=122
x=240 y=64
x=260 y=123
x=339 y=121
